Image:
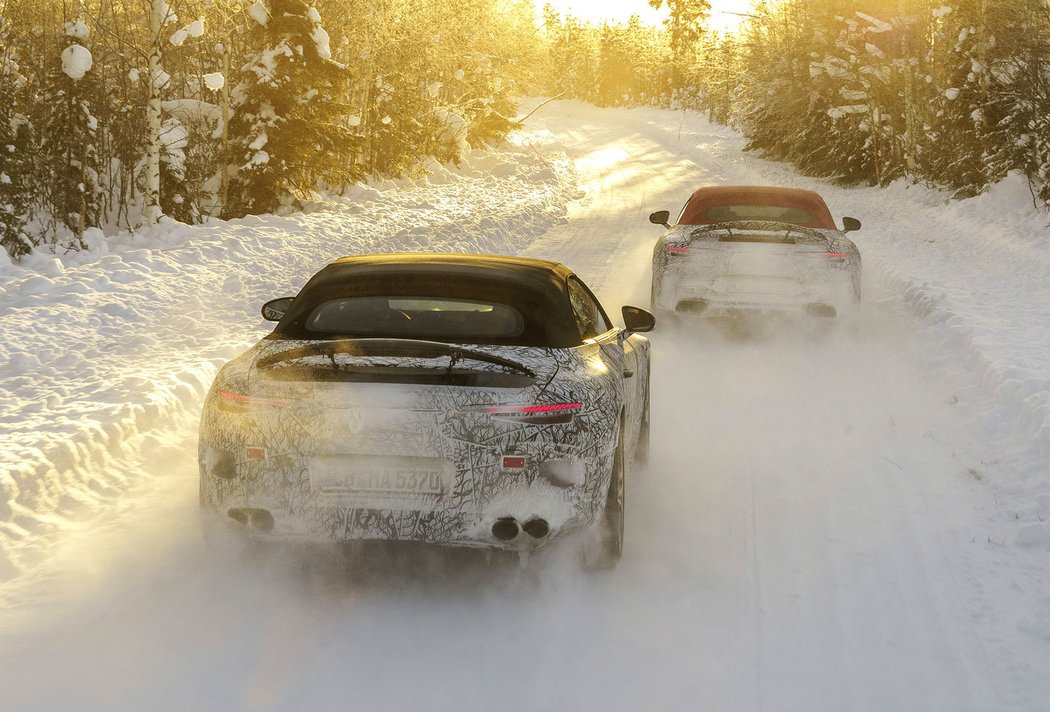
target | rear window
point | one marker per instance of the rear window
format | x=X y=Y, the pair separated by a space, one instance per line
x=712 y=205
x=774 y=213
x=451 y=303
x=439 y=319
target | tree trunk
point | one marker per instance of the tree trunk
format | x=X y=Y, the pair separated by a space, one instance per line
x=151 y=213
x=910 y=109
x=224 y=169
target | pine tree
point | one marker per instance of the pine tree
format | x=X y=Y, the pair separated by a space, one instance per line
x=1015 y=122
x=67 y=149
x=615 y=73
x=287 y=131
x=685 y=24
x=573 y=55
x=960 y=95
x=14 y=155
x=778 y=98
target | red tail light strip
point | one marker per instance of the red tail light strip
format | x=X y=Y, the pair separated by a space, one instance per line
x=531 y=409
x=551 y=414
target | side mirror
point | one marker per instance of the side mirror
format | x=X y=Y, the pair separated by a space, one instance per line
x=638 y=320
x=275 y=309
x=661 y=217
x=850 y=224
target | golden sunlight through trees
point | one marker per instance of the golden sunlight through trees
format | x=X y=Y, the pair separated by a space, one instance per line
x=726 y=15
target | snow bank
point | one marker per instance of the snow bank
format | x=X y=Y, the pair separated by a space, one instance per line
x=124 y=338
x=974 y=271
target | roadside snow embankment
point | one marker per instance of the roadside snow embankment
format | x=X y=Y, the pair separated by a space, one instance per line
x=976 y=274
x=99 y=347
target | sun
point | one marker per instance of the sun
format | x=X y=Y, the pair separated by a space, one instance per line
x=726 y=15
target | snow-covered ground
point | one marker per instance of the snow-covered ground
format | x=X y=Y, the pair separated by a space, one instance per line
x=853 y=524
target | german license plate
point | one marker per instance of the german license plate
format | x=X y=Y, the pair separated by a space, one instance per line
x=379 y=475
x=414 y=480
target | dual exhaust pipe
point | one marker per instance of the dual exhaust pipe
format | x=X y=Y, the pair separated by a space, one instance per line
x=507 y=528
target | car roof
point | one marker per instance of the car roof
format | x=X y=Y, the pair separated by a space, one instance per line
x=536 y=288
x=446 y=260
x=708 y=196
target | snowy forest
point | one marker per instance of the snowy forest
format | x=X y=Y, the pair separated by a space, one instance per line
x=952 y=93
x=114 y=113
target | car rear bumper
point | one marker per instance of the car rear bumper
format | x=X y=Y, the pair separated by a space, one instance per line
x=484 y=506
x=778 y=298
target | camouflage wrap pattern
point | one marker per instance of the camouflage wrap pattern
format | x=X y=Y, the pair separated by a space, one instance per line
x=277 y=452
x=692 y=263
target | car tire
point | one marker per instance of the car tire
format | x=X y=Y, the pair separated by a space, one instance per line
x=604 y=545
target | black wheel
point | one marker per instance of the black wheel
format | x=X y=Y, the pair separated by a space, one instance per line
x=603 y=548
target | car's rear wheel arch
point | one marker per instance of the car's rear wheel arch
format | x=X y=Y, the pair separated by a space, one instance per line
x=605 y=546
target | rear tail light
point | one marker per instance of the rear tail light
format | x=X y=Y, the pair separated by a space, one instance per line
x=239 y=403
x=537 y=414
x=677 y=250
x=832 y=256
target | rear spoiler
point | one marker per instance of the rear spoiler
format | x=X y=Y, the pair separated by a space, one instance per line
x=751 y=231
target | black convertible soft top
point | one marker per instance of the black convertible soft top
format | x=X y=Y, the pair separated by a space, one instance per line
x=536 y=288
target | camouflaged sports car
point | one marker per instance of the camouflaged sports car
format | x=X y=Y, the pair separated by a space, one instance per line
x=462 y=400
x=741 y=251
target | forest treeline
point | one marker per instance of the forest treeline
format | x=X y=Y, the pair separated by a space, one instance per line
x=115 y=112
x=953 y=93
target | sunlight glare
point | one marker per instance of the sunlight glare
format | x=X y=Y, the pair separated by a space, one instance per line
x=726 y=15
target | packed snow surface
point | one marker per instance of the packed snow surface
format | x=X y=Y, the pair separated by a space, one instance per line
x=857 y=522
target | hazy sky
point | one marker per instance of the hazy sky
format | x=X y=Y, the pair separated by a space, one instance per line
x=722 y=16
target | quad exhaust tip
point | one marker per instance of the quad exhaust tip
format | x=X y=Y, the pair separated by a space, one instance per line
x=258 y=519
x=508 y=529
x=505 y=529
x=536 y=528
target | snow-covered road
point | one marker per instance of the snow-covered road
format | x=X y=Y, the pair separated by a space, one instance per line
x=840 y=525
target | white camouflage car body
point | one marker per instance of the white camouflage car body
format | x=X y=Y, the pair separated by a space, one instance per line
x=745 y=251
x=475 y=445
x=744 y=268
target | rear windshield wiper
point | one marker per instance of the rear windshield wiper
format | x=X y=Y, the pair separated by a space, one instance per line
x=456 y=355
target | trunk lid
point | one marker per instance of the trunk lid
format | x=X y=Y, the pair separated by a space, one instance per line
x=387 y=424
